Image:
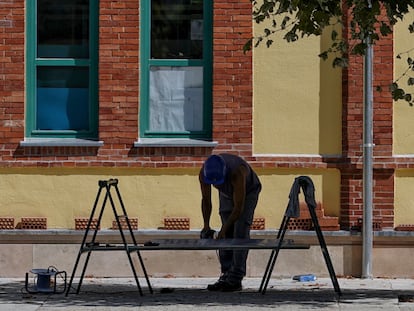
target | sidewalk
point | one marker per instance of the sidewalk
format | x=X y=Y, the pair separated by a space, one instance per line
x=190 y=294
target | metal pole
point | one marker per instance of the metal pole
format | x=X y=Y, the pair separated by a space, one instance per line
x=368 y=144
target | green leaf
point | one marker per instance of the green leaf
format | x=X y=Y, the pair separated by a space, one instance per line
x=385 y=29
x=398 y=94
x=286 y=19
x=324 y=55
x=334 y=35
x=247 y=46
x=269 y=43
x=393 y=87
x=291 y=36
x=341 y=62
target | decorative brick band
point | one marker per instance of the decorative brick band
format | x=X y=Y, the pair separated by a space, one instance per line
x=300 y=224
x=258 y=224
x=33 y=223
x=176 y=223
x=81 y=223
x=133 y=222
x=6 y=223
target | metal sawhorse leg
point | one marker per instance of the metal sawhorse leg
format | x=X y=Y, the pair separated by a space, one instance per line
x=90 y=245
x=308 y=189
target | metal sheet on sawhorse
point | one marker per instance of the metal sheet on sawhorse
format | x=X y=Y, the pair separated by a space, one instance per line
x=213 y=244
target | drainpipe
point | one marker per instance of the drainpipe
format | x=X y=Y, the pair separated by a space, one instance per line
x=368 y=145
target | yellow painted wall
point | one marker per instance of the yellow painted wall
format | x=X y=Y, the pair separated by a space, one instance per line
x=150 y=194
x=403 y=113
x=403 y=126
x=297 y=98
x=404 y=200
x=63 y=194
x=277 y=184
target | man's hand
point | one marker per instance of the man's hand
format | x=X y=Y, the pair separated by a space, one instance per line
x=221 y=235
x=207 y=234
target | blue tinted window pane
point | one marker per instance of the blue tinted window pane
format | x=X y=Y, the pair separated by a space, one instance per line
x=62 y=98
x=63 y=28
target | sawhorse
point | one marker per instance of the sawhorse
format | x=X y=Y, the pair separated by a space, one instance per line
x=90 y=245
x=292 y=210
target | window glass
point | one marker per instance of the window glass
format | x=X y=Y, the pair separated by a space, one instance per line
x=62 y=98
x=62 y=68
x=176 y=99
x=63 y=28
x=177 y=29
x=176 y=63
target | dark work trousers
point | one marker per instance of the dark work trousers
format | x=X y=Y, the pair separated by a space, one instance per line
x=233 y=262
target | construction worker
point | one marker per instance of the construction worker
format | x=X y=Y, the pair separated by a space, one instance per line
x=238 y=188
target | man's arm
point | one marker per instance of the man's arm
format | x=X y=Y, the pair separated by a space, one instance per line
x=238 y=180
x=206 y=205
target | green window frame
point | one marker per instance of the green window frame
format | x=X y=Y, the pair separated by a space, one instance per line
x=62 y=77
x=180 y=66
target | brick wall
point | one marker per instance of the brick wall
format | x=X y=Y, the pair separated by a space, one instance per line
x=352 y=130
x=232 y=90
x=11 y=76
x=119 y=95
x=118 y=77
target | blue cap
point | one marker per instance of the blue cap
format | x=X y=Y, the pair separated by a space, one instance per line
x=214 y=170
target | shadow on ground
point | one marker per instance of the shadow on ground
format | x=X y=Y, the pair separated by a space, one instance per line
x=115 y=295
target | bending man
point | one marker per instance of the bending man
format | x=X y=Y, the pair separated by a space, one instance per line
x=238 y=187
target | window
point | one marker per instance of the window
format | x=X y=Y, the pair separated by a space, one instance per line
x=176 y=60
x=62 y=68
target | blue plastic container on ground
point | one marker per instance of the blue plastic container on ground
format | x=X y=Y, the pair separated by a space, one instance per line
x=305 y=278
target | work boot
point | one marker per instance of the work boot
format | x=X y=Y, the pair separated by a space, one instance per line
x=218 y=285
x=228 y=286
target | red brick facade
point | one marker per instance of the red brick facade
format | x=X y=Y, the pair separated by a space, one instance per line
x=232 y=106
x=352 y=131
x=12 y=21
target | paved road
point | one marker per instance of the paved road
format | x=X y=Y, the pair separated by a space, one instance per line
x=190 y=294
